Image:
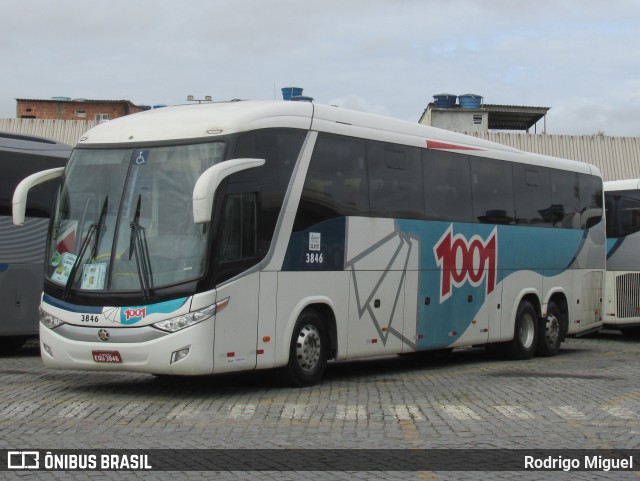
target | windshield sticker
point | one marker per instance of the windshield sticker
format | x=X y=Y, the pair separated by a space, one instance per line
x=93 y=276
x=314 y=241
x=55 y=259
x=141 y=158
x=62 y=272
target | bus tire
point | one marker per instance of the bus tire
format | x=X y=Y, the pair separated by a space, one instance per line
x=525 y=336
x=308 y=351
x=550 y=332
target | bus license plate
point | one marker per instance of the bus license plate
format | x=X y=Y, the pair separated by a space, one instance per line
x=106 y=356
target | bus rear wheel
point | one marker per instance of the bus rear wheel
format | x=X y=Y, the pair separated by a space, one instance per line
x=525 y=337
x=308 y=351
x=550 y=332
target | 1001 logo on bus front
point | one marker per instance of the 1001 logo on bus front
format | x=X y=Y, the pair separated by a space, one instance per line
x=464 y=260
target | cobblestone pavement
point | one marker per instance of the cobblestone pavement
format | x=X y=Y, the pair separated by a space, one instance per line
x=588 y=396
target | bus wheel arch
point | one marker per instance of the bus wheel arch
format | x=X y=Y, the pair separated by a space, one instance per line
x=553 y=326
x=526 y=329
x=312 y=344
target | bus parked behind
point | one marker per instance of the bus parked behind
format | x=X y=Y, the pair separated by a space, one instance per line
x=22 y=249
x=622 y=292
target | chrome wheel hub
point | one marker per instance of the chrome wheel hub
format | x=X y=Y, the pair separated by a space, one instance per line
x=552 y=329
x=308 y=348
x=527 y=330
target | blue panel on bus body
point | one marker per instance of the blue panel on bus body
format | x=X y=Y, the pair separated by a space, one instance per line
x=613 y=245
x=461 y=264
x=319 y=248
x=3 y=267
x=126 y=315
x=134 y=314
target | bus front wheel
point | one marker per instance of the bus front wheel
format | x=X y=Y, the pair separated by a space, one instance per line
x=308 y=351
x=550 y=332
x=525 y=337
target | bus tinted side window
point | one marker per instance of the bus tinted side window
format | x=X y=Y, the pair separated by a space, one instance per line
x=16 y=167
x=590 y=200
x=395 y=187
x=238 y=239
x=623 y=213
x=336 y=183
x=492 y=188
x=532 y=187
x=280 y=149
x=447 y=186
x=565 y=199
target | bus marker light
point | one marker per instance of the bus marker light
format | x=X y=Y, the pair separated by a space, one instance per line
x=231 y=354
x=385 y=329
x=266 y=338
x=260 y=351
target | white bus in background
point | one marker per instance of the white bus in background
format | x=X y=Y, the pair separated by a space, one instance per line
x=250 y=235
x=622 y=292
x=22 y=249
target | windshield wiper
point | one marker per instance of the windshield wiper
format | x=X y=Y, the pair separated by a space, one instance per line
x=138 y=246
x=93 y=229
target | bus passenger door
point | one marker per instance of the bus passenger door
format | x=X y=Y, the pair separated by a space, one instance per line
x=236 y=325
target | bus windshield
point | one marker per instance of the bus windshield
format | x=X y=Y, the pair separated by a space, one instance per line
x=124 y=219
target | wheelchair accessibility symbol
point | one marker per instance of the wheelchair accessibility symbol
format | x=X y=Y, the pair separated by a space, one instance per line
x=141 y=159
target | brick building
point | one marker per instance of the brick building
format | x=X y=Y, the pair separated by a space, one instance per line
x=64 y=108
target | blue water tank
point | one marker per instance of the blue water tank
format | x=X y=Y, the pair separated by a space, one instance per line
x=444 y=101
x=470 y=101
x=288 y=92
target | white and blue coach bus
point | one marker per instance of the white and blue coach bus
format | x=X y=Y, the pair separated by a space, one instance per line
x=247 y=235
x=622 y=283
x=22 y=249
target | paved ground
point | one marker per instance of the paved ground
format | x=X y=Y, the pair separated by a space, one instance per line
x=586 y=397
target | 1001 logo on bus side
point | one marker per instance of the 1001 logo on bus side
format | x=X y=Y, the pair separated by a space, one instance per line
x=464 y=260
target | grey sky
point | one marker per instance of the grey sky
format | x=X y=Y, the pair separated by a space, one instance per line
x=578 y=57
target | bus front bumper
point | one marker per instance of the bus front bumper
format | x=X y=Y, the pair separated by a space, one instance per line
x=185 y=352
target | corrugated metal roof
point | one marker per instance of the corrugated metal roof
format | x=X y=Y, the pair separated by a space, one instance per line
x=618 y=158
x=67 y=131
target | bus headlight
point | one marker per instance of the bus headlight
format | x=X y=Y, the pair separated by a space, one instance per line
x=50 y=321
x=177 y=323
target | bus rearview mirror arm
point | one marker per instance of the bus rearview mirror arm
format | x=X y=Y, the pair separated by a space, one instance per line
x=208 y=182
x=19 y=206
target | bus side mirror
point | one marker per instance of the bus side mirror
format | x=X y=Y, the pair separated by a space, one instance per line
x=208 y=182
x=22 y=190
